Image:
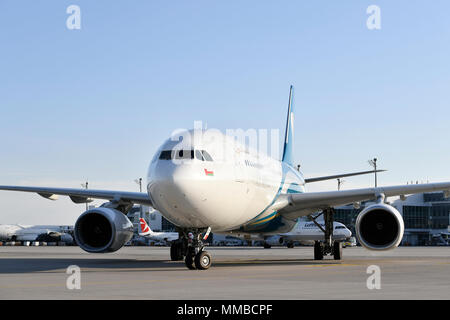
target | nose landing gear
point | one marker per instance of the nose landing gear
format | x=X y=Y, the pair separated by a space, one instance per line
x=190 y=248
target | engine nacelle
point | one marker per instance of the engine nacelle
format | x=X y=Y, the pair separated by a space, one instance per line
x=274 y=240
x=380 y=227
x=102 y=230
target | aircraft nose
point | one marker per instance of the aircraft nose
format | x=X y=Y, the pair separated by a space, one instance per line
x=173 y=184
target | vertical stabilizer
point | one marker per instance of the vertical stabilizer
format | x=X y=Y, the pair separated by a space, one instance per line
x=289 y=135
x=144 y=228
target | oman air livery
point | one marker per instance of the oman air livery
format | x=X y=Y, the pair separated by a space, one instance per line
x=204 y=181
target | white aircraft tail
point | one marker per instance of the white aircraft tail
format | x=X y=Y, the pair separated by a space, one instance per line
x=144 y=228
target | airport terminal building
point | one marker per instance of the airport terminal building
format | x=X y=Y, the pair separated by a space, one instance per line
x=426 y=217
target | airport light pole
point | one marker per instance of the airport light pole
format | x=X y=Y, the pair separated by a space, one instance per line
x=139 y=182
x=86 y=185
x=340 y=182
x=373 y=163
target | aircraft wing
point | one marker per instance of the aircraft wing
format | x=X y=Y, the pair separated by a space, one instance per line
x=301 y=204
x=343 y=175
x=83 y=195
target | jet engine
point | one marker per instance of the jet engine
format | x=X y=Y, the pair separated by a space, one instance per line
x=102 y=230
x=54 y=236
x=274 y=240
x=379 y=227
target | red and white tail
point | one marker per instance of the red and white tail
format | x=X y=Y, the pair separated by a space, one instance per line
x=145 y=229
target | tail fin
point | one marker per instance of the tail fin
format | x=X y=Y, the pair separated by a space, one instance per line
x=289 y=135
x=145 y=229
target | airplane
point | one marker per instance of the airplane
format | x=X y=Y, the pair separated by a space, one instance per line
x=307 y=231
x=19 y=232
x=146 y=231
x=205 y=181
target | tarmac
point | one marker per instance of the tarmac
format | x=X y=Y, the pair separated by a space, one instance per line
x=237 y=273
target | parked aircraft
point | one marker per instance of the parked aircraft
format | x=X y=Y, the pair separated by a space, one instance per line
x=307 y=231
x=17 y=232
x=145 y=231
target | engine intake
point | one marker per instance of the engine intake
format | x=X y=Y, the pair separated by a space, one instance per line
x=379 y=227
x=102 y=230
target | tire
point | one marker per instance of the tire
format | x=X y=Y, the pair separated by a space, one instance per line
x=318 y=252
x=189 y=261
x=290 y=245
x=267 y=246
x=203 y=260
x=176 y=251
x=337 y=250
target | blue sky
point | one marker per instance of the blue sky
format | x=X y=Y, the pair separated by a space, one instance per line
x=97 y=102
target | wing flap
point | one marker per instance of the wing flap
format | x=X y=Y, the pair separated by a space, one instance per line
x=78 y=200
x=49 y=196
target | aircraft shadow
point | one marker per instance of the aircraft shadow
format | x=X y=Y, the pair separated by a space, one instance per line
x=21 y=265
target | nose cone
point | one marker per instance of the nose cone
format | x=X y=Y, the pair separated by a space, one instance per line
x=177 y=193
x=172 y=178
x=348 y=233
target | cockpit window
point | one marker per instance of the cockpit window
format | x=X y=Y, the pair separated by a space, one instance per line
x=206 y=156
x=340 y=227
x=199 y=155
x=166 y=155
x=185 y=154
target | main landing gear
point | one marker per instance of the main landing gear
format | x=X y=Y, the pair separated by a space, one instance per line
x=320 y=249
x=328 y=246
x=190 y=247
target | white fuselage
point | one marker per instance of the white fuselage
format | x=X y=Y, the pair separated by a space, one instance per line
x=310 y=231
x=163 y=236
x=237 y=189
x=30 y=233
x=303 y=231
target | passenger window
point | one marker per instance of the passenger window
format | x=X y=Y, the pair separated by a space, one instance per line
x=206 y=156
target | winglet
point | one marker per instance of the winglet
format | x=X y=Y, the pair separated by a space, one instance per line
x=289 y=135
x=144 y=228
